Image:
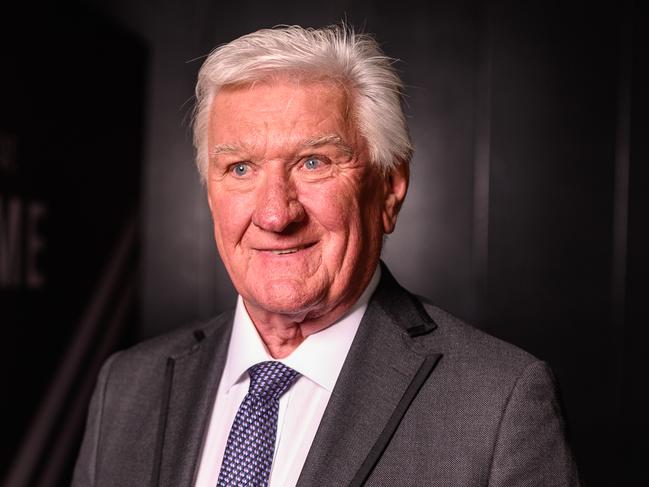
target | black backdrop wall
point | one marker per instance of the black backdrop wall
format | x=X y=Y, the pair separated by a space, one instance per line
x=525 y=214
x=71 y=92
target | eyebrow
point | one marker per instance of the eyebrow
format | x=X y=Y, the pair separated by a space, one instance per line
x=219 y=149
x=327 y=140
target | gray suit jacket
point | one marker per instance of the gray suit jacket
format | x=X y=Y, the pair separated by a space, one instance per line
x=422 y=400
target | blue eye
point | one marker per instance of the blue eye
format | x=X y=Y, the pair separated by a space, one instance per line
x=312 y=163
x=240 y=169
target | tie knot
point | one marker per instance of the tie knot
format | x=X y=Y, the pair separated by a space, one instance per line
x=269 y=380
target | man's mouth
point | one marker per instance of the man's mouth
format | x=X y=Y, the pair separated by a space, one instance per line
x=285 y=251
x=291 y=250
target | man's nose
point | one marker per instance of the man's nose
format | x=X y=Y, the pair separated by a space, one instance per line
x=277 y=204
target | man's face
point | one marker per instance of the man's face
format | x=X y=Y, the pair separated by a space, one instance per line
x=299 y=213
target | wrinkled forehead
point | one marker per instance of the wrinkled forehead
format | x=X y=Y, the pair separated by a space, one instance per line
x=282 y=108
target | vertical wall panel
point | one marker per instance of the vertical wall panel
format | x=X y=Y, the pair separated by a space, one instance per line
x=633 y=423
x=555 y=86
x=71 y=98
x=431 y=251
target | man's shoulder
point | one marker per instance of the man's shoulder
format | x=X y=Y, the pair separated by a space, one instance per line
x=469 y=348
x=465 y=350
x=172 y=344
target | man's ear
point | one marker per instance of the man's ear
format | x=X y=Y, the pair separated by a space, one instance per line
x=209 y=199
x=395 y=189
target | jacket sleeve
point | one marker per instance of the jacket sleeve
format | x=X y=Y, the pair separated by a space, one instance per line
x=531 y=448
x=85 y=468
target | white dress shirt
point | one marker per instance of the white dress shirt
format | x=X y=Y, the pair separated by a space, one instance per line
x=318 y=359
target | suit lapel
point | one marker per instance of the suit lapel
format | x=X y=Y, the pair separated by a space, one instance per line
x=190 y=388
x=381 y=376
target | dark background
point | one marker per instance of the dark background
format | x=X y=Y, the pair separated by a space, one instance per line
x=526 y=213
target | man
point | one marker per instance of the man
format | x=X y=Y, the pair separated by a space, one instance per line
x=328 y=373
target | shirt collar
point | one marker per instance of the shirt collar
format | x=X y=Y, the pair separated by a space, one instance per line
x=319 y=357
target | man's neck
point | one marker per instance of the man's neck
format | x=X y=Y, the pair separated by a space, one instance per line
x=283 y=333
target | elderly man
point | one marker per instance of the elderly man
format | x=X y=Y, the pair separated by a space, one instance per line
x=327 y=373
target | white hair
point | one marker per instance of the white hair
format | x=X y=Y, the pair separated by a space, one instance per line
x=333 y=53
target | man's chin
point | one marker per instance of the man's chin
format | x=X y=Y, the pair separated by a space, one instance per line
x=287 y=300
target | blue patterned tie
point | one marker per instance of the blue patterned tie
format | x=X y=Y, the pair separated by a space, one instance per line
x=249 y=451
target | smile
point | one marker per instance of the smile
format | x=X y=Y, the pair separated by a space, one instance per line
x=288 y=251
x=285 y=251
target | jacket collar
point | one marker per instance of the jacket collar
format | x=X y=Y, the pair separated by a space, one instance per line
x=191 y=381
